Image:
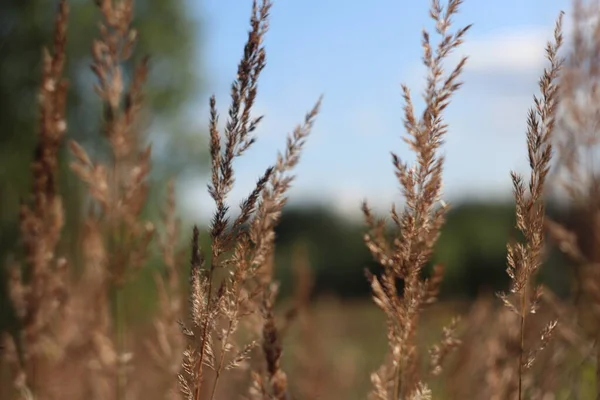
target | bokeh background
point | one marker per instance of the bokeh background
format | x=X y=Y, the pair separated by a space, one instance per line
x=353 y=52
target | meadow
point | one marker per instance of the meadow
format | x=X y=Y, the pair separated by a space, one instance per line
x=215 y=325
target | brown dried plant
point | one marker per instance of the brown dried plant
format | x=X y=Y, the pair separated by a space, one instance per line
x=576 y=140
x=241 y=249
x=525 y=258
x=484 y=368
x=168 y=344
x=318 y=369
x=271 y=382
x=59 y=336
x=312 y=372
x=262 y=235
x=418 y=226
x=39 y=296
x=118 y=188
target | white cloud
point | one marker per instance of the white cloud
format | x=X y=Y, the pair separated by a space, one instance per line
x=519 y=50
x=511 y=51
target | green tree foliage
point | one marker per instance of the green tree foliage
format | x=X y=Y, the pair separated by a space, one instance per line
x=336 y=251
x=472 y=248
x=168 y=33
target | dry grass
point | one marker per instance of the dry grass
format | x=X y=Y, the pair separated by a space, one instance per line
x=525 y=259
x=418 y=226
x=231 y=339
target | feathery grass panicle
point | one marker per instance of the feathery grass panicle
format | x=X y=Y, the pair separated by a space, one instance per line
x=271 y=345
x=39 y=297
x=262 y=236
x=419 y=224
x=440 y=351
x=525 y=259
x=210 y=305
x=273 y=198
x=219 y=304
x=119 y=189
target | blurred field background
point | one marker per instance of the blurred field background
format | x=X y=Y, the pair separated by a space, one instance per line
x=356 y=55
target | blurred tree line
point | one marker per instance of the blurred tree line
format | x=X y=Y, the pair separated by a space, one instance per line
x=472 y=247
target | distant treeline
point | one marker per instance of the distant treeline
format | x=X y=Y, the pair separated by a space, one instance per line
x=472 y=248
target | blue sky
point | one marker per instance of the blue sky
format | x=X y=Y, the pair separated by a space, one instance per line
x=357 y=53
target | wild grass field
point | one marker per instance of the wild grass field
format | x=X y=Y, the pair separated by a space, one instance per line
x=85 y=326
